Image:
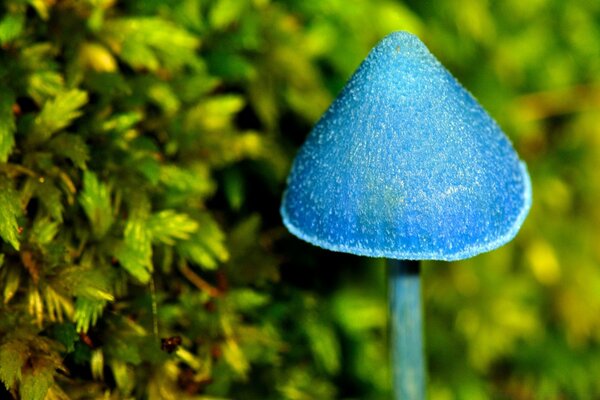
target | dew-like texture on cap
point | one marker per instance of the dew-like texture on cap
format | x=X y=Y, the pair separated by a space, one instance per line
x=406 y=164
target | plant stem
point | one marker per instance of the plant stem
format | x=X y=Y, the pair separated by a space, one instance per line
x=407 y=330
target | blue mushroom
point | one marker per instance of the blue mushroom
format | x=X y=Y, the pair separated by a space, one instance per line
x=406 y=165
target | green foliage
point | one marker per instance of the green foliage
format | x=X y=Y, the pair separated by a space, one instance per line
x=144 y=146
x=135 y=251
x=148 y=42
x=8 y=213
x=95 y=200
x=11 y=27
x=34 y=386
x=12 y=359
x=205 y=247
x=56 y=114
x=7 y=124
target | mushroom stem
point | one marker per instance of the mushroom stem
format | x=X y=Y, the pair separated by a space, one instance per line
x=407 y=330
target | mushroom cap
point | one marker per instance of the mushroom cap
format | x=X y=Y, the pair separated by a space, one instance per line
x=406 y=164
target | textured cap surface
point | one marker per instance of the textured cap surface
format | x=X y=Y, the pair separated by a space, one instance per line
x=406 y=164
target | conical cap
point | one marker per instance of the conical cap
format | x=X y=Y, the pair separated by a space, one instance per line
x=406 y=164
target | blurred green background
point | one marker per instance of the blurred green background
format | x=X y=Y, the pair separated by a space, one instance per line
x=198 y=107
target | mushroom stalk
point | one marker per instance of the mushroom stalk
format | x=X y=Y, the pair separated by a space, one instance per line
x=407 y=330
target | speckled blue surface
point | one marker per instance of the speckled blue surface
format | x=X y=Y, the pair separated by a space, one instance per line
x=406 y=164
